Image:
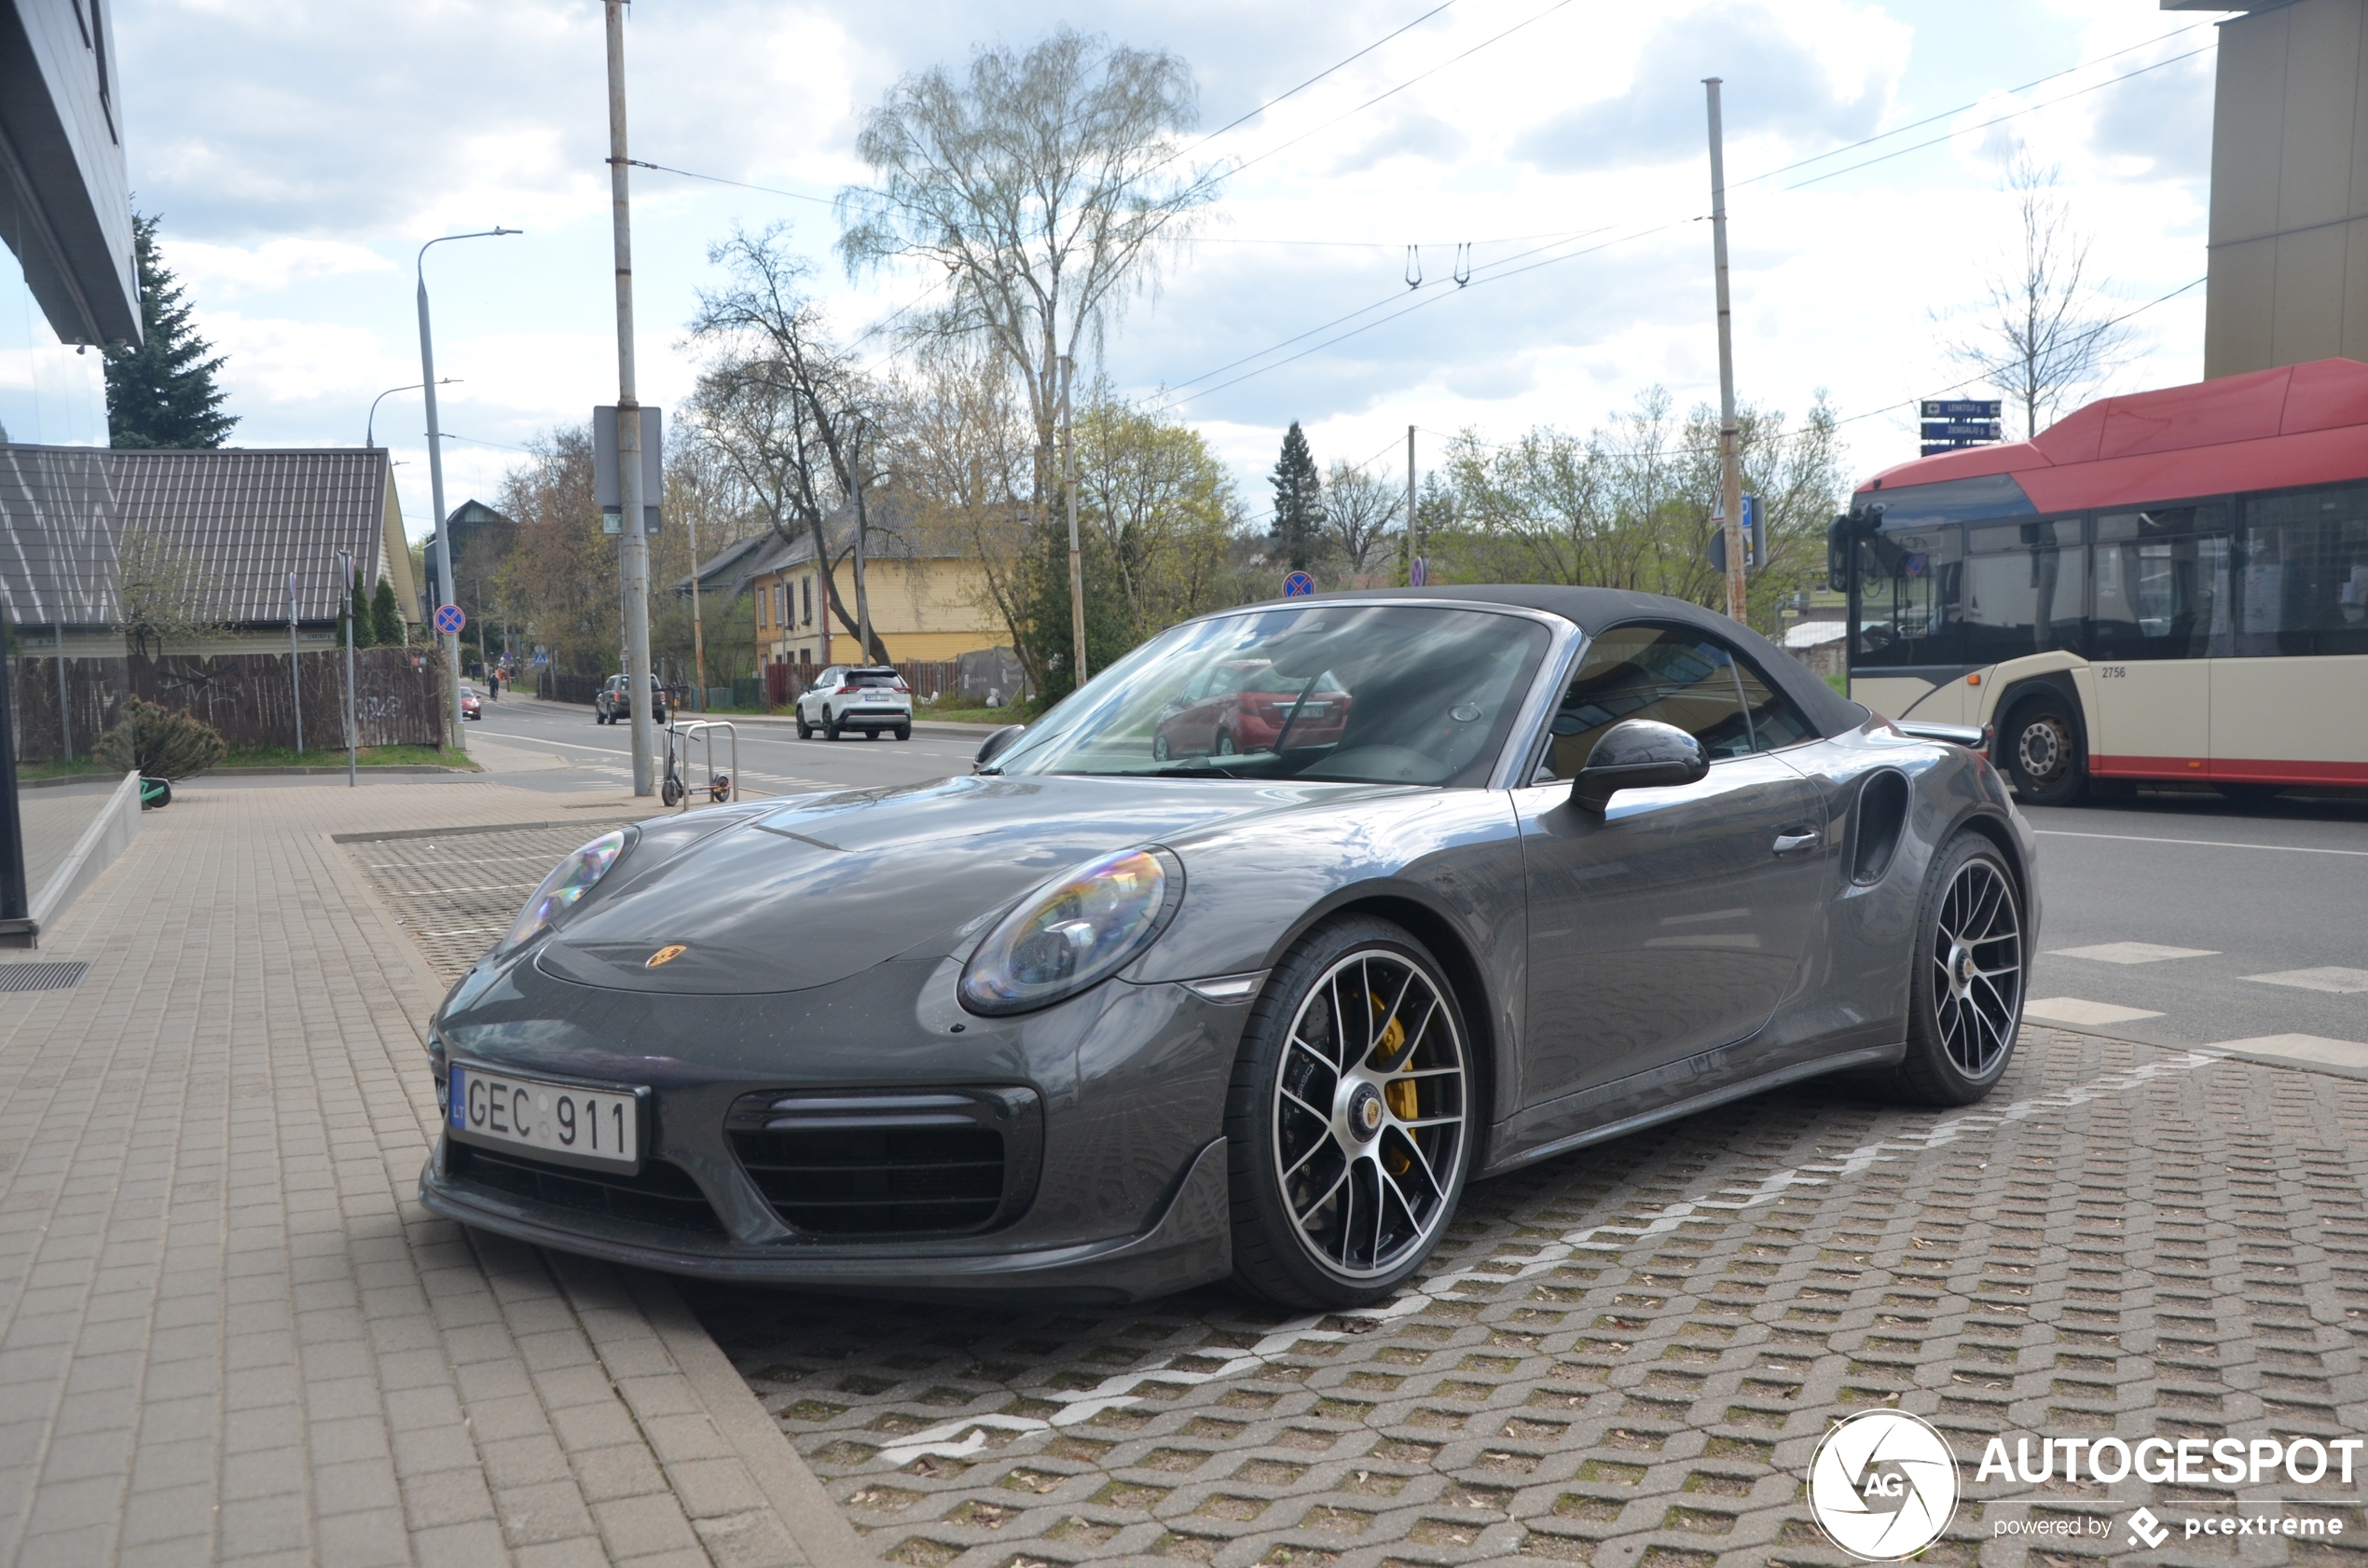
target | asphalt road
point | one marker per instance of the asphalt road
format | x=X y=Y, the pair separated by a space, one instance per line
x=2236 y=893
x=773 y=759
x=2247 y=893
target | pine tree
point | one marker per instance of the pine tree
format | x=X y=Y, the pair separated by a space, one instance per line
x=1299 y=502
x=364 y=624
x=386 y=620
x=162 y=393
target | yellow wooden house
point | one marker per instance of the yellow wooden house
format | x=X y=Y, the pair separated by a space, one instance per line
x=929 y=600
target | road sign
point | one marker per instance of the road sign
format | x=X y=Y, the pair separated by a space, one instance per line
x=1962 y=430
x=1418 y=574
x=607 y=487
x=1299 y=585
x=449 y=619
x=1755 y=537
x=1962 y=408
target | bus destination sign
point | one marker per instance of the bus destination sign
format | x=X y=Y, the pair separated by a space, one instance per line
x=1952 y=425
x=1964 y=408
x=1960 y=430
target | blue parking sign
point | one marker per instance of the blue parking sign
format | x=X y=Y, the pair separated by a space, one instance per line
x=1299 y=585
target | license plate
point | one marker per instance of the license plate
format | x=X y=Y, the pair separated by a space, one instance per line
x=565 y=1122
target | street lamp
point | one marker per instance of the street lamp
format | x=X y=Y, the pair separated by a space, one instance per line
x=435 y=472
x=369 y=426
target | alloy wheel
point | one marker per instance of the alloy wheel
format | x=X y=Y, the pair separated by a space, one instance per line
x=1368 y=1114
x=1978 y=946
x=2044 y=749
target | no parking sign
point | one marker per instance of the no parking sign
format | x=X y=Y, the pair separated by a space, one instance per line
x=449 y=619
x=1299 y=585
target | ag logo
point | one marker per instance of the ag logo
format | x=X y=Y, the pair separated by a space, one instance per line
x=1883 y=1485
x=664 y=955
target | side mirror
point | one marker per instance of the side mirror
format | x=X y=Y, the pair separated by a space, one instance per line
x=1637 y=754
x=996 y=744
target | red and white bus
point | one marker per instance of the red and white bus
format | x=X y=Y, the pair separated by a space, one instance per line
x=2167 y=585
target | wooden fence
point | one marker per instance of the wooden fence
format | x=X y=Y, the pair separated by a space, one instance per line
x=398 y=698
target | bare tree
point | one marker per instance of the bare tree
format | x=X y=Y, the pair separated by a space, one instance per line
x=1360 y=517
x=961 y=456
x=2045 y=333
x=169 y=596
x=798 y=423
x=1042 y=185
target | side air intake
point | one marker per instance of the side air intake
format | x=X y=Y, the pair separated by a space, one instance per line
x=1883 y=812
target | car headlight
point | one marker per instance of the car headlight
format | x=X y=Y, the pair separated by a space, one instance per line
x=569 y=881
x=1073 y=933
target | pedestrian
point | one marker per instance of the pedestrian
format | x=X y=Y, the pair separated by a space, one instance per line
x=493 y=684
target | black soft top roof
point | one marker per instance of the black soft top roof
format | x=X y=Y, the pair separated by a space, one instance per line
x=1595 y=610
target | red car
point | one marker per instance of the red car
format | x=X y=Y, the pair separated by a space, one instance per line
x=470 y=708
x=1241 y=707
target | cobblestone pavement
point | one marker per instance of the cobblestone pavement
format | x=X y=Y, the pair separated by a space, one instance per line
x=459 y=891
x=1629 y=1355
x=228 y=1333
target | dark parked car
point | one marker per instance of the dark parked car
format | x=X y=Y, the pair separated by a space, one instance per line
x=1099 y=1022
x=613 y=706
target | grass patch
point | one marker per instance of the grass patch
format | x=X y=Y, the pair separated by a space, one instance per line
x=79 y=768
x=369 y=756
x=1018 y=713
x=1839 y=683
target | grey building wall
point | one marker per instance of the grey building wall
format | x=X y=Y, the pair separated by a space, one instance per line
x=2288 y=236
x=64 y=192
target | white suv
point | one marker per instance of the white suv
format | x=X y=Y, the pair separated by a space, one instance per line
x=866 y=698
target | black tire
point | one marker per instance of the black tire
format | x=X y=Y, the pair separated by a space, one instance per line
x=671 y=793
x=1160 y=752
x=1398 y=1135
x=1966 y=992
x=805 y=730
x=2044 y=752
x=830 y=726
x=1224 y=747
x=903 y=732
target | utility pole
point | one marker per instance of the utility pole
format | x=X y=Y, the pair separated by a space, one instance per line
x=443 y=556
x=1731 y=457
x=1069 y=483
x=698 y=630
x=633 y=544
x=296 y=668
x=352 y=739
x=1414 y=541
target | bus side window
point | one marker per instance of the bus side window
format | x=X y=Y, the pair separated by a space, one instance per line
x=2302 y=573
x=2162 y=585
x=2026 y=589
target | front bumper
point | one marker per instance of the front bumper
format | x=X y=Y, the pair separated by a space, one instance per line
x=1189 y=1244
x=1118 y=1186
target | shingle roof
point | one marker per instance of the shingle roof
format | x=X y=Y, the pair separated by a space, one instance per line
x=724 y=568
x=250 y=517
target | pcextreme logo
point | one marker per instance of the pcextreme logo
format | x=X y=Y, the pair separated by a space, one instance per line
x=1883 y=1485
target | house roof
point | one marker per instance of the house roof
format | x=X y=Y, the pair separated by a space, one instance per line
x=894 y=537
x=250 y=517
x=723 y=569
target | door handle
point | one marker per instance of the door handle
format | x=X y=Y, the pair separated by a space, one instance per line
x=1798 y=840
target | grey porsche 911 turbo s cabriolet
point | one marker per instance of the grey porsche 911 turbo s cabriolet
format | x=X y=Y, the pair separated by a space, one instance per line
x=1510 y=872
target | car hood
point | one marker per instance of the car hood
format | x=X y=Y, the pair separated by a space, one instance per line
x=830 y=886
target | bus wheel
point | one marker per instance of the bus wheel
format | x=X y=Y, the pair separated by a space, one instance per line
x=2043 y=753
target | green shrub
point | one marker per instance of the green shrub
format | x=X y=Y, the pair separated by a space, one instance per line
x=386 y=618
x=159 y=742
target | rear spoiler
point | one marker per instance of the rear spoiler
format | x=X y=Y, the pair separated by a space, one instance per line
x=1967 y=735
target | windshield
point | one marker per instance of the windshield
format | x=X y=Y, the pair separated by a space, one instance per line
x=1372 y=694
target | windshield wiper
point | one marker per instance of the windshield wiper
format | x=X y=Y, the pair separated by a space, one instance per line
x=1292 y=718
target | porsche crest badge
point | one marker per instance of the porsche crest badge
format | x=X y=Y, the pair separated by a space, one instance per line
x=664 y=955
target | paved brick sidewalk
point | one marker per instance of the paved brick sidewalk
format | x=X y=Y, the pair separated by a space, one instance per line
x=228 y=1333
x=1628 y=1357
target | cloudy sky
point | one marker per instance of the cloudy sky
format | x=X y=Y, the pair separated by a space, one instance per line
x=300 y=151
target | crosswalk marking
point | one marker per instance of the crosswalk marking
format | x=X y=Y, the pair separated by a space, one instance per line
x=2331 y=977
x=2132 y=953
x=2071 y=1009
